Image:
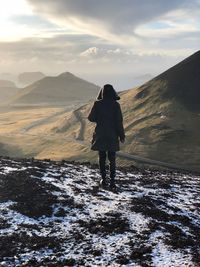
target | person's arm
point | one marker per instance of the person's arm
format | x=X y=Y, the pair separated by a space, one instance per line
x=92 y=115
x=119 y=121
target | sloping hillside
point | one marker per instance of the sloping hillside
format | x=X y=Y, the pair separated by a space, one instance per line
x=65 y=88
x=55 y=214
x=7 y=90
x=182 y=83
x=162 y=117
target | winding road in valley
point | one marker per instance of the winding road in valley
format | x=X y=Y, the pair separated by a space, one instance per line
x=81 y=140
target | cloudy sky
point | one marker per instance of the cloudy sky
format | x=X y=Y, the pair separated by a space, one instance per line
x=115 y=41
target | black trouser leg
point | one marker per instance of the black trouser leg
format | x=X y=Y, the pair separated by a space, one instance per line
x=102 y=163
x=112 y=160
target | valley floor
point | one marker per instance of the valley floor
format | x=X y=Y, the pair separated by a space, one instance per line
x=55 y=214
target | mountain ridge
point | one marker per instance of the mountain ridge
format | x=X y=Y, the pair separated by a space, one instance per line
x=180 y=81
x=61 y=89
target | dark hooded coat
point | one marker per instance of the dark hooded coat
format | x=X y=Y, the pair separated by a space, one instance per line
x=107 y=115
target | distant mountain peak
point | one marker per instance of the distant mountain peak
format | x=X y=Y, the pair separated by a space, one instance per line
x=63 y=89
x=66 y=74
x=27 y=78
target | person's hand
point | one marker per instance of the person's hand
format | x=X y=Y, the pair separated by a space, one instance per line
x=122 y=139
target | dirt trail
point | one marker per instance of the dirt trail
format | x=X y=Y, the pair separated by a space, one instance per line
x=47 y=119
x=155 y=162
x=80 y=119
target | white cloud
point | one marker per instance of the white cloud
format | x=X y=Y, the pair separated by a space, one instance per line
x=133 y=24
x=110 y=20
x=107 y=38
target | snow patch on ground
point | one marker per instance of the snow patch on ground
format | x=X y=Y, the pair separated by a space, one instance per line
x=154 y=219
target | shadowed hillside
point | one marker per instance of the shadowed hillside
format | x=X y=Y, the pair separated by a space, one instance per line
x=162 y=117
x=181 y=82
x=65 y=88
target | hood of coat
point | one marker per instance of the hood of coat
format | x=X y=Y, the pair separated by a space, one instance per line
x=108 y=92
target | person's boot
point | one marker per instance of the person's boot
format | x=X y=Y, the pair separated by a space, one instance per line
x=112 y=184
x=102 y=167
x=104 y=182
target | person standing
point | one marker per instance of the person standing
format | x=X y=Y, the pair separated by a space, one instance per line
x=109 y=130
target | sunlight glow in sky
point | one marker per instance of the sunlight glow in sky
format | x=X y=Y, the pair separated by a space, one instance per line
x=114 y=40
x=16 y=7
x=9 y=31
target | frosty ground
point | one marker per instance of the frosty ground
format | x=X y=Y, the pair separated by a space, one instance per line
x=55 y=214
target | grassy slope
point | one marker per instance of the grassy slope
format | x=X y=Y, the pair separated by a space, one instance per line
x=43 y=140
x=161 y=117
x=164 y=132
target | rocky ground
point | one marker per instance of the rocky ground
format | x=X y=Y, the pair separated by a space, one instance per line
x=55 y=214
